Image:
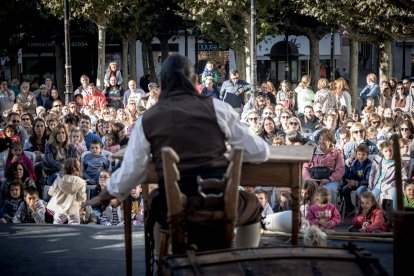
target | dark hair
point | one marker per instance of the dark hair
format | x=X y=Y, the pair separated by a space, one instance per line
x=363 y=148
x=177 y=74
x=12 y=114
x=13 y=167
x=30 y=116
x=327 y=133
x=96 y=142
x=33 y=137
x=85 y=117
x=30 y=191
x=71 y=119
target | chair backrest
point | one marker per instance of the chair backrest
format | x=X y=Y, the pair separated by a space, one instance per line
x=177 y=202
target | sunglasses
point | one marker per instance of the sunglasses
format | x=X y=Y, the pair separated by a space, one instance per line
x=358 y=131
x=293 y=123
x=103 y=177
x=253 y=119
x=15 y=121
x=285 y=117
x=404 y=129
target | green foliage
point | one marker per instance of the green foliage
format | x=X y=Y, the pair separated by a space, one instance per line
x=382 y=18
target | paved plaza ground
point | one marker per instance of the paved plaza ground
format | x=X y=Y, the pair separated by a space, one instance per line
x=96 y=250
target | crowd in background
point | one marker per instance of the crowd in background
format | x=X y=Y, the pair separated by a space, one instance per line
x=55 y=155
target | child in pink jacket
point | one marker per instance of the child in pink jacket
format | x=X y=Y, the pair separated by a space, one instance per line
x=322 y=213
x=370 y=217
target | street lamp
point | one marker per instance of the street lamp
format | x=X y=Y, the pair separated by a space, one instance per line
x=68 y=66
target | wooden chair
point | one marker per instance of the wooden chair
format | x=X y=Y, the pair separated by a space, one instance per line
x=186 y=217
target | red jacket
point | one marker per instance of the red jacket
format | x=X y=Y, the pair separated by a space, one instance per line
x=100 y=99
x=375 y=223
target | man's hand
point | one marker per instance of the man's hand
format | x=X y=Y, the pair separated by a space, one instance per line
x=101 y=201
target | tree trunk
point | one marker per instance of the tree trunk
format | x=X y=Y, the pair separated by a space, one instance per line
x=240 y=56
x=60 y=69
x=145 y=63
x=315 y=64
x=385 y=60
x=101 y=56
x=151 y=65
x=133 y=57
x=246 y=47
x=353 y=72
x=14 y=63
x=125 y=72
x=164 y=46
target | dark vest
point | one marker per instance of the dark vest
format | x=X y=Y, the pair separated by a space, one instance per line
x=188 y=124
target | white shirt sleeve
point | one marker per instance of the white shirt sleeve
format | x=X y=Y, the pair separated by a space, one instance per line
x=134 y=167
x=238 y=134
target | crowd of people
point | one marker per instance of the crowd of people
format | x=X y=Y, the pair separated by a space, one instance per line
x=54 y=155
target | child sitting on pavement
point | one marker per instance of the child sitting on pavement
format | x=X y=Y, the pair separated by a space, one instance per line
x=94 y=162
x=32 y=209
x=322 y=213
x=370 y=217
x=68 y=192
x=113 y=214
x=356 y=177
x=10 y=204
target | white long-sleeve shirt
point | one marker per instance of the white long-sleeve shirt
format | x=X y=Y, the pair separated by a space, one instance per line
x=134 y=167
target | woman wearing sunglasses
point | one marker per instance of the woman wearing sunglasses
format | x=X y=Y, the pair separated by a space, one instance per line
x=401 y=100
x=406 y=130
x=358 y=136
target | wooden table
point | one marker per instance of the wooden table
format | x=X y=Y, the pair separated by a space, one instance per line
x=282 y=169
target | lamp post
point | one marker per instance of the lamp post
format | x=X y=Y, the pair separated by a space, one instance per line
x=68 y=66
x=253 y=69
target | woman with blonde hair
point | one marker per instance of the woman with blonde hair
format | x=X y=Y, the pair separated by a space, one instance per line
x=113 y=70
x=286 y=96
x=343 y=94
x=305 y=95
x=324 y=96
x=370 y=90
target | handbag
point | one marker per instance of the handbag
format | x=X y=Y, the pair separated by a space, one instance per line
x=320 y=172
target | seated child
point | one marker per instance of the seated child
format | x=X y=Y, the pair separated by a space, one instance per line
x=94 y=162
x=111 y=143
x=408 y=199
x=370 y=217
x=356 y=176
x=16 y=154
x=87 y=215
x=137 y=210
x=10 y=204
x=77 y=140
x=68 y=192
x=382 y=177
x=32 y=209
x=113 y=214
x=284 y=202
x=263 y=199
x=322 y=213
x=10 y=132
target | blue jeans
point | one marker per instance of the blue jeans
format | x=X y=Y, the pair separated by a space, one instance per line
x=333 y=188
